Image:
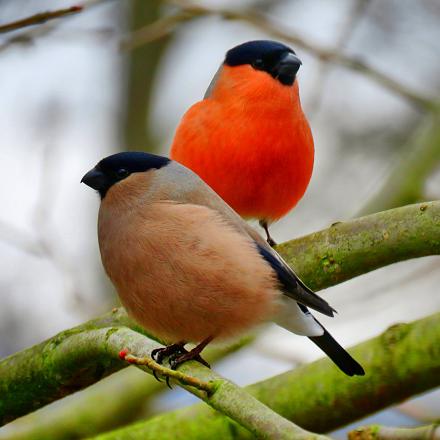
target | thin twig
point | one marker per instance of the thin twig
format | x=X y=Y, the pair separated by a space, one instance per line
x=189 y=11
x=40 y=18
x=185 y=379
x=27 y=36
x=355 y=14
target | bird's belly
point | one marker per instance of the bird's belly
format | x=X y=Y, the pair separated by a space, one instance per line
x=194 y=318
x=185 y=275
x=266 y=189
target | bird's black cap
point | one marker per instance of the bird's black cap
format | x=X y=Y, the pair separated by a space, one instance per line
x=117 y=167
x=275 y=58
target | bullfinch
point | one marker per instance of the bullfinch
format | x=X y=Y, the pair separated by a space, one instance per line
x=249 y=138
x=188 y=268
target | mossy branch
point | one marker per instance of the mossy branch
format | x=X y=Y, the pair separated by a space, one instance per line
x=352 y=248
x=377 y=432
x=79 y=357
x=402 y=362
x=96 y=409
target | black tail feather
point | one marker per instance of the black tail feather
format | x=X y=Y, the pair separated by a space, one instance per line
x=337 y=354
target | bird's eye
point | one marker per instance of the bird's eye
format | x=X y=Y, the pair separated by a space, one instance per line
x=258 y=63
x=122 y=172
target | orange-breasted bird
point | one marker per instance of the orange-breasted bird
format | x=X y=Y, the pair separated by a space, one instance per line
x=249 y=138
x=186 y=266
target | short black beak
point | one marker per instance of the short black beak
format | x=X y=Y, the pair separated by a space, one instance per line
x=96 y=179
x=287 y=68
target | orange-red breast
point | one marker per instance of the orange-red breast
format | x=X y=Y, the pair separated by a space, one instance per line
x=249 y=138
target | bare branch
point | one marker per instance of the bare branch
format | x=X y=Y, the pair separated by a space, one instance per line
x=189 y=11
x=355 y=14
x=39 y=18
x=27 y=36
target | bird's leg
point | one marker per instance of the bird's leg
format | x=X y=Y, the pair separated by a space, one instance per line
x=194 y=354
x=159 y=354
x=269 y=239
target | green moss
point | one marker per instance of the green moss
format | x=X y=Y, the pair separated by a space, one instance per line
x=395 y=333
x=375 y=430
x=110 y=332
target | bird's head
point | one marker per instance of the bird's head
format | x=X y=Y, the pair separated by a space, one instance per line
x=117 y=167
x=260 y=70
x=276 y=59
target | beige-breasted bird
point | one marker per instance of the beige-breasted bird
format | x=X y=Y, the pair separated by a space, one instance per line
x=186 y=266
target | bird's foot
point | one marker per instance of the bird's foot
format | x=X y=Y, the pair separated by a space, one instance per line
x=159 y=354
x=168 y=373
x=176 y=360
x=193 y=355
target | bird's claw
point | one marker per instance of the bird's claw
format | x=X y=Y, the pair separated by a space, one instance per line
x=159 y=354
x=155 y=375
x=177 y=360
x=167 y=381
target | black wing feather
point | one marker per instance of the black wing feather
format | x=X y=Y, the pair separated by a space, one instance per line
x=292 y=286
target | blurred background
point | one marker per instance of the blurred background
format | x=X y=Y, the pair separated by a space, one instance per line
x=120 y=74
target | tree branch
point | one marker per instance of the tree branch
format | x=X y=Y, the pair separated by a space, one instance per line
x=97 y=404
x=402 y=362
x=377 y=432
x=349 y=249
x=188 y=11
x=147 y=363
x=79 y=357
x=39 y=18
x=76 y=358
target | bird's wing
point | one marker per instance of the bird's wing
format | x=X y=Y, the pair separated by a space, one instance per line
x=213 y=82
x=191 y=187
x=291 y=284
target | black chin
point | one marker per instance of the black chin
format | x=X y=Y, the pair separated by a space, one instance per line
x=286 y=69
x=286 y=78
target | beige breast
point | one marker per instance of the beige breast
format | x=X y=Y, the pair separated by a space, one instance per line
x=182 y=272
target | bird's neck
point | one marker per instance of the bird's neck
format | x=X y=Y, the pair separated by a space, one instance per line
x=244 y=88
